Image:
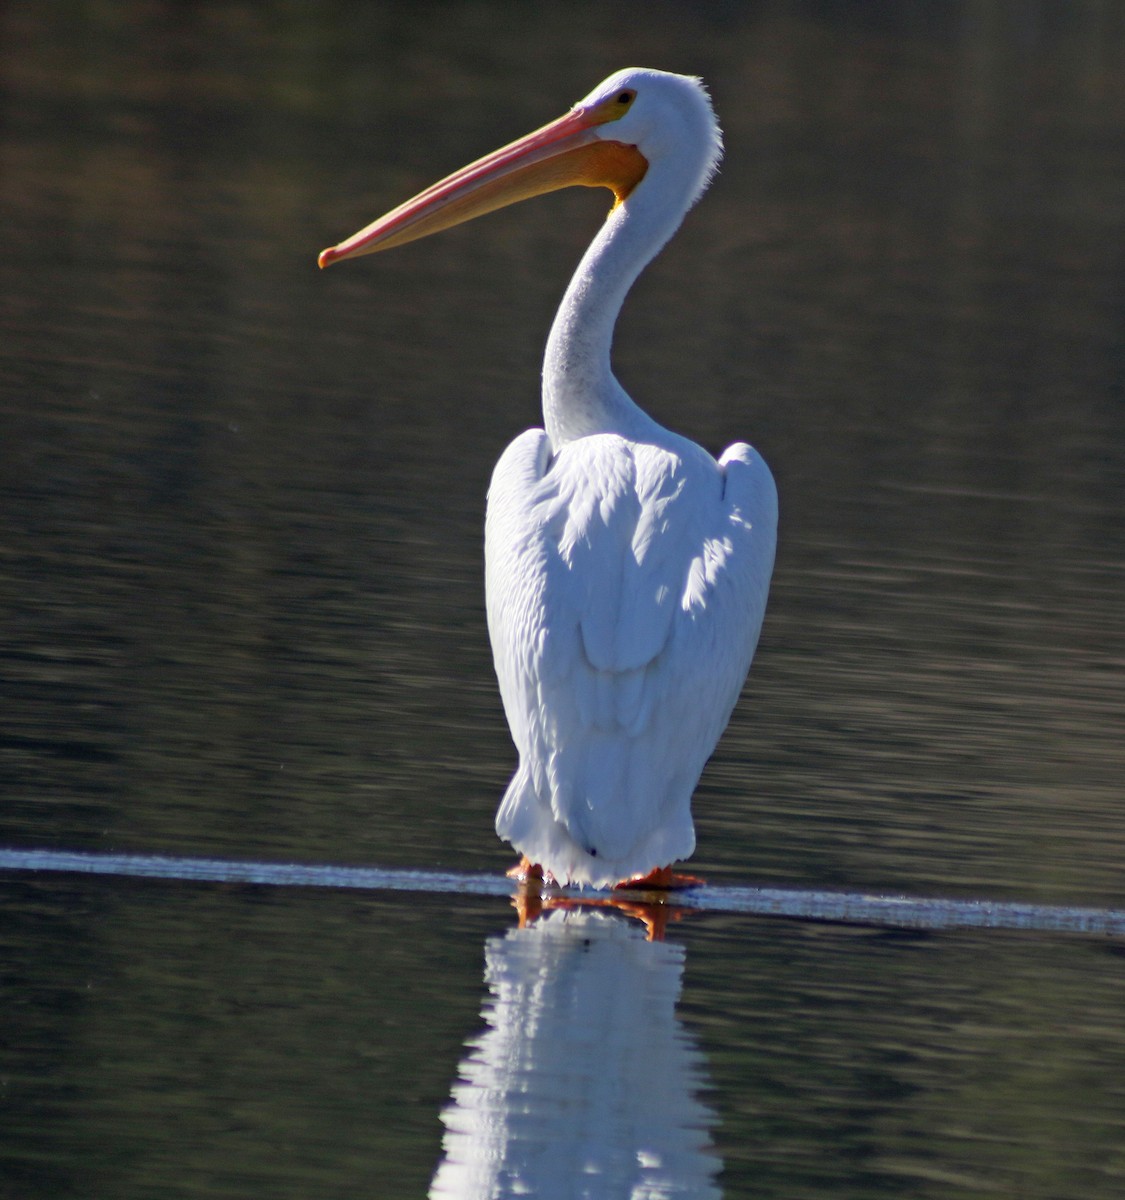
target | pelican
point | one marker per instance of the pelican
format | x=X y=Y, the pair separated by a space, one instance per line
x=626 y=570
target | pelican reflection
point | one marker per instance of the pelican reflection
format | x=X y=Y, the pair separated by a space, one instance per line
x=584 y=1084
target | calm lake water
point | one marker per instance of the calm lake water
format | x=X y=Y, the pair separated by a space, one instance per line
x=241 y=605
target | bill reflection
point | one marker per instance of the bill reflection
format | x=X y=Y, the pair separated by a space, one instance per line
x=584 y=1083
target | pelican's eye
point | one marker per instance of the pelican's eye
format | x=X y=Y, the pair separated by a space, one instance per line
x=613 y=107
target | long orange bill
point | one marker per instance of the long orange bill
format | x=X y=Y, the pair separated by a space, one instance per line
x=567 y=152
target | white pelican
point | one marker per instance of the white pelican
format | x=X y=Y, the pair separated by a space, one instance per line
x=626 y=570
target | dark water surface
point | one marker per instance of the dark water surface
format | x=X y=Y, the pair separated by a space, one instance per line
x=241 y=610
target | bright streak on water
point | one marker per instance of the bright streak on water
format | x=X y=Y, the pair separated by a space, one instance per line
x=843 y=907
x=216 y=870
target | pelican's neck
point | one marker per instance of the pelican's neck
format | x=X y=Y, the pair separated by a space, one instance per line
x=580 y=394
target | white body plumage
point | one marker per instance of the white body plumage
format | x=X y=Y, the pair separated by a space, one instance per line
x=626 y=585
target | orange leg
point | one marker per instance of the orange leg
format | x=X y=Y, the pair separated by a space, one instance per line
x=530 y=902
x=525 y=871
x=661 y=879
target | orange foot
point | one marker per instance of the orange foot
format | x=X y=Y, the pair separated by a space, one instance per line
x=525 y=871
x=662 y=879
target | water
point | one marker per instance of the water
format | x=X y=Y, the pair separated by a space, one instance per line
x=240 y=589
x=192 y=1040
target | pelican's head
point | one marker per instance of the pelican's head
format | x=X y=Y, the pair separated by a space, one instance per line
x=635 y=122
x=668 y=118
